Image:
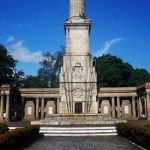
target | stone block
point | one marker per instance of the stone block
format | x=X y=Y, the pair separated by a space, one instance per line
x=29 y=111
x=50 y=108
x=105 y=108
x=126 y=109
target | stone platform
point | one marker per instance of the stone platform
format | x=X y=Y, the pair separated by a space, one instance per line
x=77 y=119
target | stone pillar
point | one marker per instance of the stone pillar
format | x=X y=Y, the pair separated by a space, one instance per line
x=23 y=107
x=2 y=107
x=118 y=107
x=138 y=107
x=133 y=107
x=113 y=107
x=7 y=107
x=145 y=106
x=77 y=8
x=148 y=106
x=42 y=109
x=58 y=105
x=37 y=108
x=141 y=108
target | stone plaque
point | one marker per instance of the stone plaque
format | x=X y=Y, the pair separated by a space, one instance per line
x=105 y=109
x=29 y=110
x=126 y=109
x=50 y=110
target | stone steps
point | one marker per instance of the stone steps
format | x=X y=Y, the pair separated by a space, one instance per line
x=77 y=131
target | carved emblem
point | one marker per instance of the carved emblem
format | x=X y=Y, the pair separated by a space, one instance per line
x=78 y=73
x=78 y=93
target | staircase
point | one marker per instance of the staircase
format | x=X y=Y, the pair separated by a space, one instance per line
x=78 y=131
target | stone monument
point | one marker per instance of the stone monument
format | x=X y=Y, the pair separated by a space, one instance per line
x=78 y=79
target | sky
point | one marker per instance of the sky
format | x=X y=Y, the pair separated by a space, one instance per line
x=28 y=28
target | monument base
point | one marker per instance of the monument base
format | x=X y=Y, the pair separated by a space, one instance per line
x=77 y=119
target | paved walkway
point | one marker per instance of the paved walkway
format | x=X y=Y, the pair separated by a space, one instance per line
x=82 y=143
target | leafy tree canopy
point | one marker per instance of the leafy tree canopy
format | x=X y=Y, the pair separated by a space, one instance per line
x=113 y=72
x=48 y=74
x=8 y=72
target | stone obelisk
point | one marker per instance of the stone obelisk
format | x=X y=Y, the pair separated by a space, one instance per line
x=78 y=88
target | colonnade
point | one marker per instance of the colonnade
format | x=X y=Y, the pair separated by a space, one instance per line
x=39 y=107
x=140 y=106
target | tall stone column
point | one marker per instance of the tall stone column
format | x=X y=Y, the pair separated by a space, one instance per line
x=77 y=8
x=37 y=108
x=23 y=107
x=133 y=107
x=145 y=106
x=42 y=109
x=141 y=107
x=138 y=107
x=148 y=106
x=58 y=99
x=118 y=107
x=7 y=107
x=113 y=107
x=2 y=107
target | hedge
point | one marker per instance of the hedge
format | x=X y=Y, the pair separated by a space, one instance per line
x=18 y=137
x=138 y=134
x=3 y=127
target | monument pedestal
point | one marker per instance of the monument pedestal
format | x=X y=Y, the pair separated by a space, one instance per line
x=78 y=87
x=77 y=119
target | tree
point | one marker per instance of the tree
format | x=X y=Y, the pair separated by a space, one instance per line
x=111 y=71
x=139 y=77
x=48 y=74
x=8 y=72
x=30 y=82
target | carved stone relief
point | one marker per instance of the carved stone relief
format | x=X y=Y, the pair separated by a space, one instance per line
x=78 y=73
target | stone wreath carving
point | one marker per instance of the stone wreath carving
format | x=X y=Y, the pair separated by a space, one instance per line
x=78 y=93
x=78 y=85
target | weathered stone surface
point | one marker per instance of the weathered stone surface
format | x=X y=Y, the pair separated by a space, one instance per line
x=106 y=108
x=77 y=8
x=78 y=85
x=126 y=109
x=77 y=40
x=50 y=108
x=29 y=110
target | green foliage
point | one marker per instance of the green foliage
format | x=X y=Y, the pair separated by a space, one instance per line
x=8 y=72
x=18 y=137
x=3 y=128
x=48 y=74
x=137 y=134
x=138 y=77
x=30 y=82
x=113 y=72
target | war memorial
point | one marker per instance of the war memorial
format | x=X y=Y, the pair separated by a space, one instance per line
x=78 y=100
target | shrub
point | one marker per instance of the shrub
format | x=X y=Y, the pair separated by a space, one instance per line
x=3 y=127
x=19 y=137
x=137 y=134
